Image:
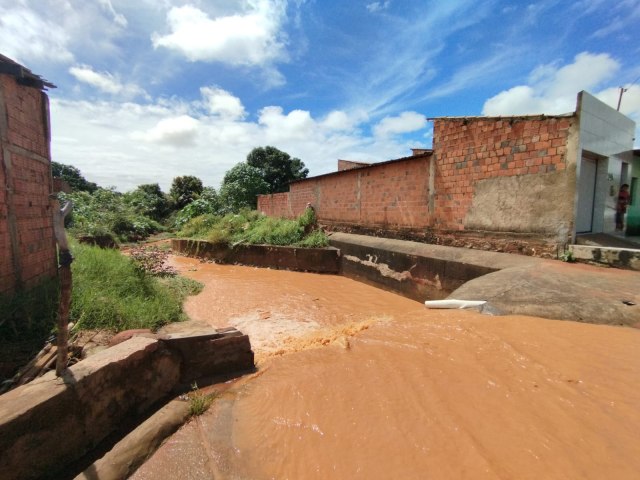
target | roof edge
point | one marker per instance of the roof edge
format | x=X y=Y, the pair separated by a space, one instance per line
x=364 y=167
x=540 y=116
x=22 y=74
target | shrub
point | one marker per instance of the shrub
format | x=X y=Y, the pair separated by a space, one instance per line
x=274 y=231
x=250 y=226
x=316 y=239
x=109 y=292
x=105 y=213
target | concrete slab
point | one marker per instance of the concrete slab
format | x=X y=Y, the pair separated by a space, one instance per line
x=564 y=291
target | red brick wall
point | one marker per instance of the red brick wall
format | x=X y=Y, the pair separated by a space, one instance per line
x=348 y=165
x=393 y=194
x=499 y=184
x=275 y=205
x=470 y=150
x=25 y=171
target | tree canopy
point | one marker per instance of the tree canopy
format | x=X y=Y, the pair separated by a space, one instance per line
x=185 y=190
x=73 y=177
x=240 y=187
x=149 y=200
x=277 y=168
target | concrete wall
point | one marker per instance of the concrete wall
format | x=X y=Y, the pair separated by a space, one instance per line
x=417 y=270
x=27 y=244
x=319 y=260
x=607 y=135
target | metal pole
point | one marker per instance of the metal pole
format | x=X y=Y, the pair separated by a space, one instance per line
x=622 y=90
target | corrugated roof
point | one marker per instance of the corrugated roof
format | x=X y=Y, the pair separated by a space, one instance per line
x=23 y=75
x=364 y=167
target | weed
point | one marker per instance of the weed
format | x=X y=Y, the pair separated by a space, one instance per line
x=199 y=402
x=254 y=228
x=567 y=256
x=316 y=239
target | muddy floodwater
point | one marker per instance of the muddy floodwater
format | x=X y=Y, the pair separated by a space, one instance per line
x=355 y=382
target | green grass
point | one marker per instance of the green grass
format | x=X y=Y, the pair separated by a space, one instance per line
x=254 y=228
x=109 y=292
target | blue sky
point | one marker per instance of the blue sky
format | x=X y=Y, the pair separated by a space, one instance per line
x=152 y=89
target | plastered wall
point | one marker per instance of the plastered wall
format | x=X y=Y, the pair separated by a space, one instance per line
x=504 y=175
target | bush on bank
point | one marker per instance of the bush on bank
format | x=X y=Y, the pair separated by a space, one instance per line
x=112 y=292
x=250 y=226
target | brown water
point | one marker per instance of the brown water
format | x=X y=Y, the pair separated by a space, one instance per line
x=355 y=382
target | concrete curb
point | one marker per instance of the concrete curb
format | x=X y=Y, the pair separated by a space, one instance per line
x=139 y=445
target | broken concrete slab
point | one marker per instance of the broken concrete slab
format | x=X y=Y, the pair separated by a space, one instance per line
x=562 y=291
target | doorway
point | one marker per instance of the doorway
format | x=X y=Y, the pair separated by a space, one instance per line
x=586 y=194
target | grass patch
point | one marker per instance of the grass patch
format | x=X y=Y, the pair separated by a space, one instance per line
x=254 y=228
x=110 y=292
x=199 y=402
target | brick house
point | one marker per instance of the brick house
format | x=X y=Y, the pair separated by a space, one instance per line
x=526 y=184
x=27 y=244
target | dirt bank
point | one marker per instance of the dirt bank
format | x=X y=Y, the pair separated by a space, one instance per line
x=355 y=382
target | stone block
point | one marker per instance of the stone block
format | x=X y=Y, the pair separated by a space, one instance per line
x=221 y=352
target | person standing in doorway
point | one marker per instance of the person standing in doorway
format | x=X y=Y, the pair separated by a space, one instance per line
x=621 y=206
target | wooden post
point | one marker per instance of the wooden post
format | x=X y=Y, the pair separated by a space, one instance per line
x=64 y=275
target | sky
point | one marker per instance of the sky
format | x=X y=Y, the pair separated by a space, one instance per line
x=148 y=90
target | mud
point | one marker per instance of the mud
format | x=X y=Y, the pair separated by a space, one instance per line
x=355 y=382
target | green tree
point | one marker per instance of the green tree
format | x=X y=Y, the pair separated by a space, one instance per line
x=149 y=200
x=240 y=187
x=73 y=177
x=276 y=167
x=185 y=190
x=208 y=202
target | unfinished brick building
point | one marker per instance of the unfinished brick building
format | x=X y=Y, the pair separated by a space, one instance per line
x=27 y=244
x=524 y=184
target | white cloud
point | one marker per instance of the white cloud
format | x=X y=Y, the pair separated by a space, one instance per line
x=105 y=82
x=220 y=102
x=127 y=144
x=178 y=131
x=27 y=37
x=403 y=123
x=341 y=120
x=118 y=18
x=553 y=89
x=250 y=38
x=297 y=124
x=378 y=6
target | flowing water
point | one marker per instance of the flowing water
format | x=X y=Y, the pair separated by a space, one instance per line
x=355 y=382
